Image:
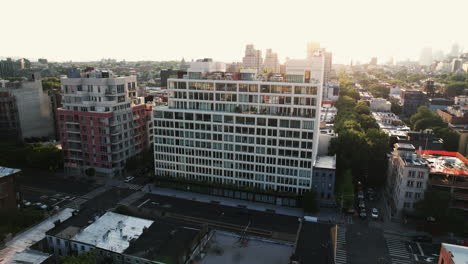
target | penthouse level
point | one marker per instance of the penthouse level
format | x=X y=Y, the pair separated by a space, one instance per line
x=247 y=131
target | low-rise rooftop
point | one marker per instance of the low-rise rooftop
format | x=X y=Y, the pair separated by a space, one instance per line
x=325 y=162
x=4 y=171
x=29 y=256
x=459 y=253
x=229 y=248
x=113 y=231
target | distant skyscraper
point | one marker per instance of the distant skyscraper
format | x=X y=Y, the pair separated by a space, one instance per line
x=271 y=61
x=312 y=47
x=253 y=58
x=373 y=61
x=438 y=55
x=455 y=50
x=426 y=56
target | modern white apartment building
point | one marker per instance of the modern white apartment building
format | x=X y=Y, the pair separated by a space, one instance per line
x=241 y=128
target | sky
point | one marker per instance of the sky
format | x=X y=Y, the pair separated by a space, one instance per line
x=170 y=30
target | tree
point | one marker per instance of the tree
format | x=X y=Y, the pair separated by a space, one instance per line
x=309 y=202
x=44 y=157
x=424 y=119
x=90 y=172
x=455 y=88
x=395 y=108
x=345 y=103
x=450 y=137
x=83 y=258
x=50 y=83
x=345 y=190
x=362 y=108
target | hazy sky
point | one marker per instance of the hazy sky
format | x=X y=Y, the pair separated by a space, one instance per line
x=164 y=30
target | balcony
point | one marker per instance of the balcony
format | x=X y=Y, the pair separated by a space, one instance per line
x=110 y=92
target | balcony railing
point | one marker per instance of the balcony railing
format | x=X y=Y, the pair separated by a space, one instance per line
x=448 y=183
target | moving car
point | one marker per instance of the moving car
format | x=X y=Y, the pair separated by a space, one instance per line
x=129 y=179
x=375 y=213
x=362 y=204
x=363 y=213
x=360 y=195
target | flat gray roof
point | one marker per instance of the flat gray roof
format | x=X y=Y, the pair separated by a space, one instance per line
x=113 y=231
x=325 y=162
x=227 y=248
x=4 y=171
x=28 y=256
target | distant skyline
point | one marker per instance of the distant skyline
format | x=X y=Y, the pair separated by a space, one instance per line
x=172 y=30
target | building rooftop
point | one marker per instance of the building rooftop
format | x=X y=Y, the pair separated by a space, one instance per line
x=88 y=213
x=113 y=231
x=165 y=240
x=459 y=253
x=29 y=256
x=326 y=162
x=445 y=162
x=229 y=248
x=4 y=171
x=404 y=146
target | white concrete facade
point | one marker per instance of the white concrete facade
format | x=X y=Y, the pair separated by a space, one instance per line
x=247 y=133
x=407 y=179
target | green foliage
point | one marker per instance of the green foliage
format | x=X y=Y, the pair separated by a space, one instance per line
x=360 y=146
x=90 y=172
x=19 y=155
x=50 y=83
x=345 y=190
x=450 y=137
x=362 y=108
x=83 y=258
x=395 y=108
x=16 y=221
x=456 y=88
x=424 y=119
x=144 y=159
x=44 y=157
x=437 y=204
x=309 y=202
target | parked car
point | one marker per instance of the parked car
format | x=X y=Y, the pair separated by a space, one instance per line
x=375 y=213
x=26 y=203
x=350 y=211
x=360 y=195
x=422 y=238
x=363 y=213
x=362 y=204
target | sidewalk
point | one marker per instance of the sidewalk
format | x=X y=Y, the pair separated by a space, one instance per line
x=32 y=235
x=224 y=201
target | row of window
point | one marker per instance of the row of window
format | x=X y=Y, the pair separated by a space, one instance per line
x=258 y=121
x=243 y=87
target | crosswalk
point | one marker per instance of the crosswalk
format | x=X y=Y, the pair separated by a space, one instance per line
x=397 y=250
x=133 y=186
x=75 y=204
x=341 y=246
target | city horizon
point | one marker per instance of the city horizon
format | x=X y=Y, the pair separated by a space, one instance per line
x=351 y=36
